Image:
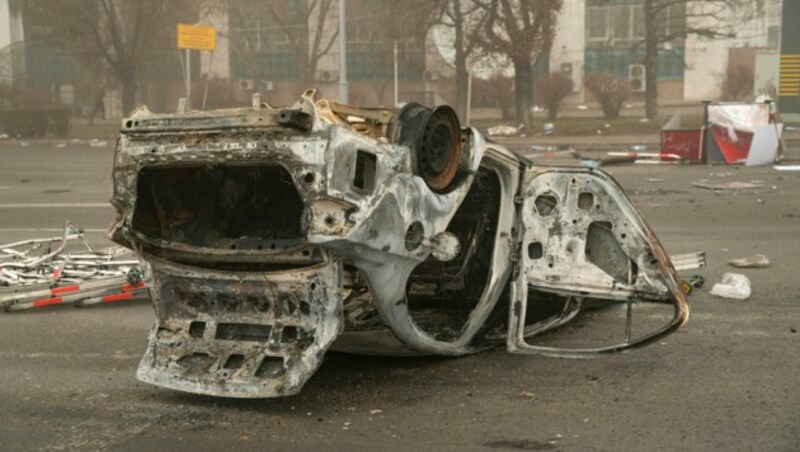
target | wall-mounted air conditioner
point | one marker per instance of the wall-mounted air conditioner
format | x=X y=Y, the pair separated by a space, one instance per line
x=636 y=77
x=327 y=76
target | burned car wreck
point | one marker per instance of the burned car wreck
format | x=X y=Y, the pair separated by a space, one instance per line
x=269 y=236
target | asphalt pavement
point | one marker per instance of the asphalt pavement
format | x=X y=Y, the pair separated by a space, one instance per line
x=727 y=381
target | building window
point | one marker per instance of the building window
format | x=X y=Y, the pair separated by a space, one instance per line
x=260 y=47
x=773 y=36
x=597 y=23
x=370 y=43
x=621 y=23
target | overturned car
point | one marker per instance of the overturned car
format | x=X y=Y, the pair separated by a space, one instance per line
x=269 y=236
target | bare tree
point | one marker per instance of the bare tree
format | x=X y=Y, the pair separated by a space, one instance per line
x=463 y=18
x=374 y=31
x=551 y=89
x=521 y=30
x=670 y=20
x=304 y=23
x=119 y=31
x=737 y=83
x=609 y=91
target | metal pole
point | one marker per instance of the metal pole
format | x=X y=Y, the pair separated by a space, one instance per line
x=396 y=96
x=469 y=96
x=208 y=76
x=188 y=79
x=343 y=88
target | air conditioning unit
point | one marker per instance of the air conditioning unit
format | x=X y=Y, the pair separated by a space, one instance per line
x=267 y=85
x=327 y=76
x=246 y=84
x=569 y=69
x=636 y=77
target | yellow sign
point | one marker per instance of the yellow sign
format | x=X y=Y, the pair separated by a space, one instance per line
x=197 y=37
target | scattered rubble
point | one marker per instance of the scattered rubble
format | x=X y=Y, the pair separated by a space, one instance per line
x=754 y=261
x=49 y=271
x=526 y=395
x=503 y=130
x=717 y=186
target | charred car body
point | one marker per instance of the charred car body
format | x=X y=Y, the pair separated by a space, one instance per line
x=270 y=235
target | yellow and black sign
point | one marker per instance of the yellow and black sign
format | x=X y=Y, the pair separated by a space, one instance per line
x=790 y=76
x=197 y=37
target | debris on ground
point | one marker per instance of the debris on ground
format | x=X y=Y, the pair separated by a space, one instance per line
x=53 y=270
x=733 y=285
x=695 y=282
x=715 y=186
x=553 y=151
x=754 y=261
x=635 y=155
x=525 y=395
x=787 y=167
x=501 y=131
x=689 y=261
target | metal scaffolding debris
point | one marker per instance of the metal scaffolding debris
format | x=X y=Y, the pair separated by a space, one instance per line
x=66 y=269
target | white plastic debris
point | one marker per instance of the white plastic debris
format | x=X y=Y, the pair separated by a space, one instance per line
x=498 y=131
x=754 y=261
x=733 y=285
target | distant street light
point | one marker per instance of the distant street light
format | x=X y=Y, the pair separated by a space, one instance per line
x=343 y=88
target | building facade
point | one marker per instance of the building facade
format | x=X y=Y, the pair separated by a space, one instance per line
x=256 y=52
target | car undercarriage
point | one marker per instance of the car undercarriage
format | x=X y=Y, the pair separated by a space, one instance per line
x=269 y=236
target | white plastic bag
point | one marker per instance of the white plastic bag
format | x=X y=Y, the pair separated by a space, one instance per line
x=733 y=285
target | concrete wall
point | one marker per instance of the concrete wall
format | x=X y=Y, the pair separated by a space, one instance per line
x=569 y=44
x=707 y=59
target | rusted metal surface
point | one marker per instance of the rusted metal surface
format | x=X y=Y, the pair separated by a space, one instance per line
x=269 y=236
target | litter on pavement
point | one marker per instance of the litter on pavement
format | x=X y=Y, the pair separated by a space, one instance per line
x=733 y=285
x=754 y=261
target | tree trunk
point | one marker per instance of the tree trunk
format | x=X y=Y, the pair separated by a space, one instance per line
x=462 y=86
x=651 y=60
x=462 y=74
x=552 y=112
x=128 y=96
x=523 y=90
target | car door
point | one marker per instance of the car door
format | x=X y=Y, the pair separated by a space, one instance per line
x=582 y=243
